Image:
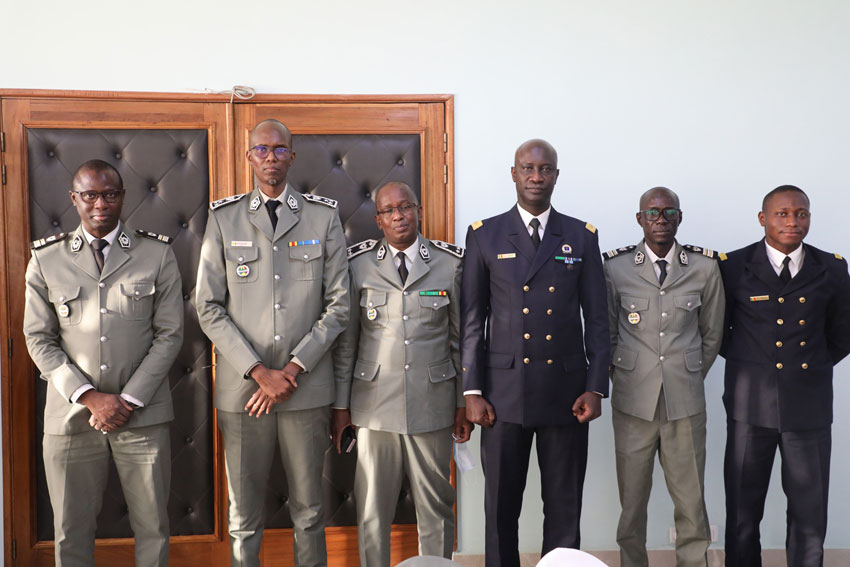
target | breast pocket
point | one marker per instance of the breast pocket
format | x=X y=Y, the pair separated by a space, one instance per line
x=434 y=310
x=68 y=304
x=306 y=261
x=633 y=310
x=241 y=264
x=687 y=308
x=136 y=300
x=373 y=309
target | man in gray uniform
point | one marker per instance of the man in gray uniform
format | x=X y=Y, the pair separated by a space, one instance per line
x=104 y=322
x=401 y=348
x=272 y=294
x=665 y=310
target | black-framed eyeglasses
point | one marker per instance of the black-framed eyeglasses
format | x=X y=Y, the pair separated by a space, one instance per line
x=262 y=152
x=91 y=197
x=653 y=215
x=403 y=209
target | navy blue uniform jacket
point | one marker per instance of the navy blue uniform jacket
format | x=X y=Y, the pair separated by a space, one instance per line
x=522 y=342
x=782 y=340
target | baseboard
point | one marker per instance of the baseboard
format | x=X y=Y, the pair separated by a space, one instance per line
x=667 y=558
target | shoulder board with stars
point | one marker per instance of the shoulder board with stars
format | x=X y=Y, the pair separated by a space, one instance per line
x=361 y=247
x=590 y=227
x=42 y=242
x=700 y=250
x=226 y=201
x=477 y=224
x=617 y=251
x=154 y=236
x=319 y=199
x=450 y=248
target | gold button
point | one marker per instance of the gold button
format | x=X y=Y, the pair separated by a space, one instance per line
x=802 y=321
x=780 y=322
x=525 y=310
x=781 y=300
x=779 y=365
x=525 y=288
x=548 y=337
x=802 y=343
x=527 y=336
x=548 y=312
x=551 y=289
x=779 y=344
x=526 y=360
x=464 y=368
x=802 y=300
x=550 y=361
x=804 y=366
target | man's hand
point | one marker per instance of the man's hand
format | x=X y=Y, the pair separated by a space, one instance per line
x=109 y=411
x=279 y=385
x=340 y=419
x=259 y=403
x=588 y=407
x=479 y=410
x=462 y=428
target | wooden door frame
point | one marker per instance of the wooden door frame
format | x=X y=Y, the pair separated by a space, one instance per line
x=223 y=182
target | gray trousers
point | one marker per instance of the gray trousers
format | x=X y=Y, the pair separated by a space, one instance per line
x=303 y=438
x=383 y=458
x=680 y=445
x=77 y=468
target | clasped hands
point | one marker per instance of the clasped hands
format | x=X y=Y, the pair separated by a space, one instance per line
x=108 y=411
x=275 y=386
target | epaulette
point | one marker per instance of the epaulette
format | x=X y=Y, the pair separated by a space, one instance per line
x=450 y=248
x=722 y=256
x=154 y=236
x=42 y=242
x=226 y=201
x=361 y=247
x=838 y=256
x=477 y=224
x=617 y=251
x=319 y=199
x=700 y=250
x=590 y=227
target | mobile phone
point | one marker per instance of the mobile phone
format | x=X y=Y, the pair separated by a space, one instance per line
x=349 y=439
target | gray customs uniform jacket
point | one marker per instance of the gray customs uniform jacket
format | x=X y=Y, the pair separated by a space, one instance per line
x=401 y=346
x=663 y=334
x=119 y=330
x=266 y=296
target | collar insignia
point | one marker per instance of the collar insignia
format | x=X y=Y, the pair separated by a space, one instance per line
x=423 y=251
x=382 y=252
x=123 y=240
x=77 y=244
x=639 y=258
x=293 y=204
x=256 y=202
x=683 y=258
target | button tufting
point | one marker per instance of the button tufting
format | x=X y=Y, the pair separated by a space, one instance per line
x=339 y=162
x=183 y=155
x=152 y=189
x=55 y=223
x=51 y=153
x=400 y=162
x=185 y=225
x=117 y=155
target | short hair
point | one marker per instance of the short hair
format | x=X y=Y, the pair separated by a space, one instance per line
x=783 y=189
x=272 y=121
x=400 y=184
x=97 y=166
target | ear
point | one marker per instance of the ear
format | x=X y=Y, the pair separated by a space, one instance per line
x=681 y=217
x=73 y=196
x=762 y=218
x=557 y=173
x=513 y=173
x=637 y=218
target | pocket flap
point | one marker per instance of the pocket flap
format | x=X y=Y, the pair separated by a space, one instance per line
x=693 y=360
x=241 y=254
x=305 y=253
x=62 y=294
x=441 y=371
x=498 y=360
x=137 y=290
x=688 y=302
x=373 y=298
x=367 y=371
x=624 y=358
x=433 y=301
x=632 y=303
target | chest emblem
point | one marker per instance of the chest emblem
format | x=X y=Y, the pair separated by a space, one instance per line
x=566 y=249
x=242 y=270
x=372 y=314
x=63 y=310
x=634 y=318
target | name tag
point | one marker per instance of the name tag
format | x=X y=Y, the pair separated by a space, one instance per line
x=506 y=256
x=241 y=243
x=759 y=298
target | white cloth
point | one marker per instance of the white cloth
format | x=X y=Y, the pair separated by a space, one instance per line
x=654 y=258
x=776 y=259
x=526 y=219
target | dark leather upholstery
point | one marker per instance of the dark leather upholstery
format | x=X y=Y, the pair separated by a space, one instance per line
x=166 y=175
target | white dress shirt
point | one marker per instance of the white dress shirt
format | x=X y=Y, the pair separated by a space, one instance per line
x=776 y=258
x=654 y=259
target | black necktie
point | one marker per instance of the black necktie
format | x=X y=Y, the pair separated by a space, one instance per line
x=535 y=232
x=98 y=244
x=402 y=267
x=271 y=206
x=785 y=274
x=662 y=275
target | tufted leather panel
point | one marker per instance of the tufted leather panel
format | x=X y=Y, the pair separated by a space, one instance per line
x=166 y=175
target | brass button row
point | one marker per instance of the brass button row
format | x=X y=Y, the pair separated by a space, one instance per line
x=804 y=366
x=528 y=360
x=782 y=300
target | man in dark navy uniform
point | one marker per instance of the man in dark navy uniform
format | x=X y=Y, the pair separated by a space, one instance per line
x=787 y=325
x=528 y=367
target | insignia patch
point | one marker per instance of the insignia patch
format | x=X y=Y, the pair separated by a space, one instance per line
x=255 y=203
x=242 y=270
x=63 y=310
x=617 y=251
x=683 y=258
x=77 y=244
x=435 y=292
x=566 y=249
x=700 y=250
x=837 y=256
x=292 y=203
x=372 y=314
x=567 y=259
x=382 y=253
x=590 y=227
x=506 y=256
x=639 y=258
x=759 y=298
x=423 y=251
x=303 y=242
x=241 y=243
x=42 y=242
x=476 y=225
x=450 y=248
x=360 y=247
x=226 y=201
x=123 y=240
x=634 y=318
x=154 y=236
x=319 y=199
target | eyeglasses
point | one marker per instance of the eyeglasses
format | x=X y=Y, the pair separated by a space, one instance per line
x=91 y=197
x=403 y=209
x=262 y=152
x=653 y=215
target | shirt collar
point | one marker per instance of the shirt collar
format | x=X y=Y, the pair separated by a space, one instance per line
x=281 y=198
x=542 y=217
x=776 y=258
x=654 y=258
x=109 y=238
x=411 y=252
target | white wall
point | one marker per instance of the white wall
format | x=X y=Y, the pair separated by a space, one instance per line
x=721 y=101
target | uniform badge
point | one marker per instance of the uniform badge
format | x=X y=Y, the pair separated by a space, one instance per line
x=567 y=259
x=242 y=270
x=293 y=204
x=760 y=298
x=372 y=314
x=506 y=256
x=639 y=258
x=683 y=258
x=382 y=253
x=123 y=240
x=566 y=249
x=634 y=318
x=423 y=251
x=255 y=203
x=77 y=244
x=63 y=310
